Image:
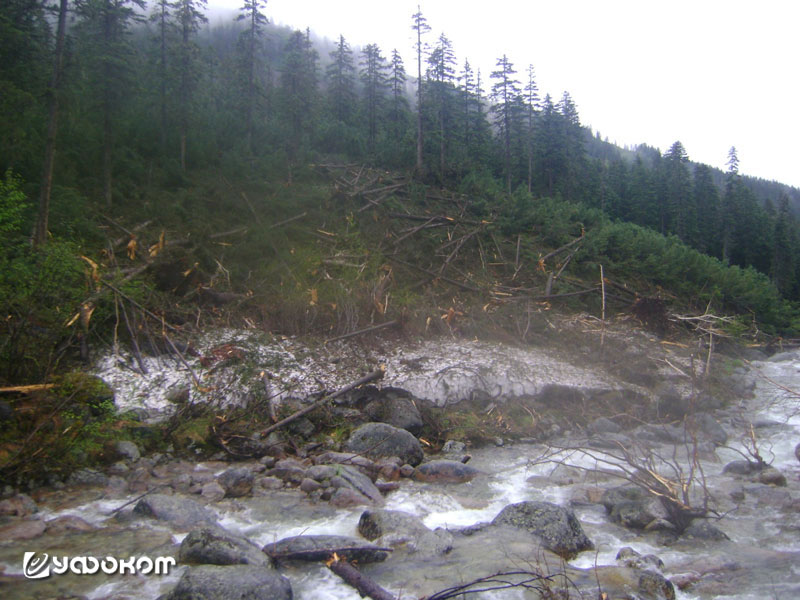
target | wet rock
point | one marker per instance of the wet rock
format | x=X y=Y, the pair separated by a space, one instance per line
x=270 y=483
x=700 y=529
x=389 y=468
x=604 y=425
x=768 y=495
x=631 y=558
x=395 y=407
x=215 y=546
x=376 y=440
x=445 y=471
x=178 y=511
x=212 y=491
x=20 y=505
x=557 y=527
x=23 y=530
x=87 y=477
x=212 y=582
x=345 y=497
x=772 y=476
x=362 y=463
x=665 y=434
x=655 y=586
x=236 y=482
x=396 y=529
x=671 y=403
x=309 y=485
x=347 y=477
x=406 y=471
x=320 y=547
x=455 y=447
x=127 y=450
x=740 y=467
x=631 y=506
x=289 y=470
x=68 y=523
x=612 y=441
x=797 y=452
x=711 y=428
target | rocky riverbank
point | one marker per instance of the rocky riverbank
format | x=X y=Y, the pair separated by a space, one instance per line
x=560 y=486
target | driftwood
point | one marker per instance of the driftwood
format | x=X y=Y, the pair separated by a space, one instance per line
x=323 y=553
x=365 y=330
x=374 y=376
x=354 y=578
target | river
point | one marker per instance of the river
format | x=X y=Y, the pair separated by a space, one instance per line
x=760 y=560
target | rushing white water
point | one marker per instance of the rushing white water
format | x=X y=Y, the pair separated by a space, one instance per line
x=510 y=474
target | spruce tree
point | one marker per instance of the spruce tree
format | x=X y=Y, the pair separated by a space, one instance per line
x=421 y=27
x=505 y=93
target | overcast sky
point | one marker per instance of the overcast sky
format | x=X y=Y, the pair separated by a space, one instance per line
x=710 y=73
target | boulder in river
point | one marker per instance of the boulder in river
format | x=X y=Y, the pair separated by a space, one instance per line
x=632 y=507
x=377 y=440
x=236 y=482
x=557 y=527
x=215 y=546
x=179 y=511
x=213 y=582
x=445 y=471
x=395 y=528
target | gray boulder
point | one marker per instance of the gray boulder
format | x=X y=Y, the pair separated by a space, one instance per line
x=397 y=529
x=127 y=450
x=87 y=477
x=395 y=407
x=350 y=477
x=320 y=547
x=378 y=440
x=701 y=529
x=712 y=429
x=215 y=546
x=604 y=425
x=236 y=482
x=178 y=511
x=631 y=506
x=234 y=582
x=445 y=471
x=557 y=527
x=797 y=451
x=655 y=586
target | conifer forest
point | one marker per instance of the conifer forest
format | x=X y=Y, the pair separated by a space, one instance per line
x=125 y=112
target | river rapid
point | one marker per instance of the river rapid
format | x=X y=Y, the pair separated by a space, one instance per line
x=761 y=558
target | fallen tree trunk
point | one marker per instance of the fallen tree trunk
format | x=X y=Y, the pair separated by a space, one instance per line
x=356 y=579
x=374 y=376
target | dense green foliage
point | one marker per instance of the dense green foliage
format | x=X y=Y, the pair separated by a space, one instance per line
x=155 y=104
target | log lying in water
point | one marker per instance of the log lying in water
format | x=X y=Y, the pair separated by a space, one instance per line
x=356 y=579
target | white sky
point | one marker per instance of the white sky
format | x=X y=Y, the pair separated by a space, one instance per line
x=710 y=73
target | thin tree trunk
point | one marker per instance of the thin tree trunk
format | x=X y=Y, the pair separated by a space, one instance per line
x=108 y=145
x=420 y=166
x=40 y=231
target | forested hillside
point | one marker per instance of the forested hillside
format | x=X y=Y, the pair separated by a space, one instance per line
x=126 y=109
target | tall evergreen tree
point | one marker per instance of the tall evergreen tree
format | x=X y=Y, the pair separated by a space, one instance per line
x=373 y=77
x=681 y=212
x=709 y=212
x=251 y=12
x=43 y=214
x=440 y=75
x=340 y=74
x=505 y=93
x=189 y=19
x=531 y=105
x=784 y=248
x=104 y=28
x=420 y=25
x=298 y=87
